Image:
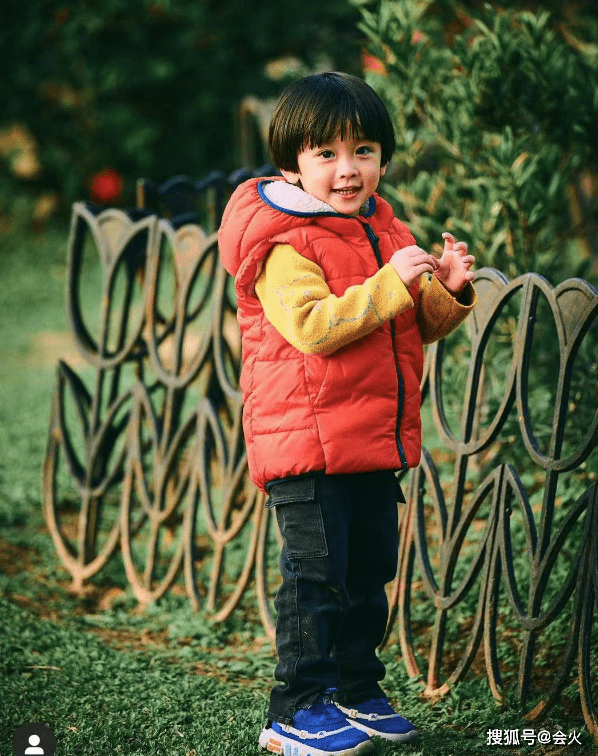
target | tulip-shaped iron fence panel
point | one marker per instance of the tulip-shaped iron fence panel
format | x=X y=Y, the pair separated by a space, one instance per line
x=498 y=568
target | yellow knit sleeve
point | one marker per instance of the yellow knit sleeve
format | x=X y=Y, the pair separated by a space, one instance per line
x=299 y=304
x=439 y=313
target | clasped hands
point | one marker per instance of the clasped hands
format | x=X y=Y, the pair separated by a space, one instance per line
x=452 y=269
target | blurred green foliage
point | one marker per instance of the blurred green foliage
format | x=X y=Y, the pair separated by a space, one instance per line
x=149 y=88
x=495 y=109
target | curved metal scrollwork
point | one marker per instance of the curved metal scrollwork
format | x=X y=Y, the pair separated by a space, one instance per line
x=498 y=568
x=496 y=560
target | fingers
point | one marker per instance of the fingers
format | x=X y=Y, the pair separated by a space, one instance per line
x=421 y=268
x=467 y=260
x=412 y=262
x=414 y=255
x=449 y=241
x=450 y=245
x=418 y=256
x=427 y=260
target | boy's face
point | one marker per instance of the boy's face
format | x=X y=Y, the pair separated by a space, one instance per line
x=343 y=173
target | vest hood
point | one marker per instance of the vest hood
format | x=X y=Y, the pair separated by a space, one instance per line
x=260 y=212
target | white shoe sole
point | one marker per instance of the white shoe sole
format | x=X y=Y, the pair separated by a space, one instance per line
x=274 y=742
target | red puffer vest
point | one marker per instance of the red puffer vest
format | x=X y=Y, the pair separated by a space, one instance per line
x=354 y=410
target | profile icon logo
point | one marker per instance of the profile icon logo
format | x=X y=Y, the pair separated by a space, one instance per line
x=35 y=739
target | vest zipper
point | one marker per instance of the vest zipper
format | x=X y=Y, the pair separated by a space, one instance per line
x=373 y=239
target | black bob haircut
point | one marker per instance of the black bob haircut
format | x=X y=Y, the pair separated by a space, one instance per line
x=313 y=110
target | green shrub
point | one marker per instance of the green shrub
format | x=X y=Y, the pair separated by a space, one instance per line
x=495 y=111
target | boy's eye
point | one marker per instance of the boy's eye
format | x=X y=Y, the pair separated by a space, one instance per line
x=327 y=154
x=364 y=150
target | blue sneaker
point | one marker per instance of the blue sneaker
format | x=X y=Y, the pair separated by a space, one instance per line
x=320 y=730
x=377 y=718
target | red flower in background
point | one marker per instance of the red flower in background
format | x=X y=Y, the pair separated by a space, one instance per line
x=106 y=186
x=372 y=63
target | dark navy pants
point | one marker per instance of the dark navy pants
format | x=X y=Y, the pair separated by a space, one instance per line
x=340 y=549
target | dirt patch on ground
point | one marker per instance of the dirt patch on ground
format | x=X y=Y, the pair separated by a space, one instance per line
x=57 y=601
x=13 y=558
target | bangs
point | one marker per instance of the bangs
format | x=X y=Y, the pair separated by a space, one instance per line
x=342 y=116
x=314 y=110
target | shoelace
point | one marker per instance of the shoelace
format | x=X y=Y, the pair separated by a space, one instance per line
x=379 y=709
x=331 y=721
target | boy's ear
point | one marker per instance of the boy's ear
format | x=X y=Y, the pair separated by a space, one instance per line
x=383 y=169
x=291 y=176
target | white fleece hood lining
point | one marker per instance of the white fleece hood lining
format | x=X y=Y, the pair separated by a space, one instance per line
x=292 y=198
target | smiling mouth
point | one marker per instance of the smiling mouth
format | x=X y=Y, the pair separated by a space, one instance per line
x=347 y=190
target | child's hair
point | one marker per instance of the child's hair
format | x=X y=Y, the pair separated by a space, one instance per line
x=313 y=110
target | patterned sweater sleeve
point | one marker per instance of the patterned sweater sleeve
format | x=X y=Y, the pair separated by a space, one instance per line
x=439 y=312
x=299 y=304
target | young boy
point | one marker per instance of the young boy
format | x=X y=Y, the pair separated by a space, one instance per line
x=333 y=307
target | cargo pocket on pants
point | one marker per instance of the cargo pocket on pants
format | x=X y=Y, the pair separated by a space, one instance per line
x=299 y=517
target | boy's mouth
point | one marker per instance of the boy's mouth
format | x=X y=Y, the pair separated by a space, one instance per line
x=347 y=190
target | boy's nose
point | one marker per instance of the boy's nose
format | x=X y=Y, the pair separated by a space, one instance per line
x=347 y=167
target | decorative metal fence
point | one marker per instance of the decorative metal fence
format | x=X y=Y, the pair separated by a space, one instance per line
x=146 y=465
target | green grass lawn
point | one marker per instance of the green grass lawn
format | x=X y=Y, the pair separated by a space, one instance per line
x=110 y=678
